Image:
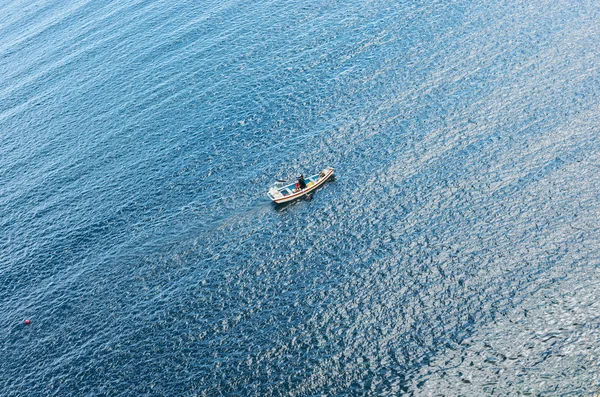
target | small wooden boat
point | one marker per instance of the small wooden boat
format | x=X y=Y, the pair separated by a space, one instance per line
x=284 y=191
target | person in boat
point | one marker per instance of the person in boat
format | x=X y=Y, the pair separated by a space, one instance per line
x=301 y=183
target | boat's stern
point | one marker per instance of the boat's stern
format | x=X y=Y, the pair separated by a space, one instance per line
x=274 y=194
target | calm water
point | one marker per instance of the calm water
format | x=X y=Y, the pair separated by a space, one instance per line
x=456 y=252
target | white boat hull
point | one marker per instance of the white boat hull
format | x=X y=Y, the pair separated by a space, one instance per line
x=289 y=193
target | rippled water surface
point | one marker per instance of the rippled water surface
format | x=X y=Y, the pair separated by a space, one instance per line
x=455 y=253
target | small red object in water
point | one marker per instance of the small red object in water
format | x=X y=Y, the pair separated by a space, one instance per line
x=27 y=322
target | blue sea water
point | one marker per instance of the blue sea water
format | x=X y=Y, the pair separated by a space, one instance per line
x=455 y=253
